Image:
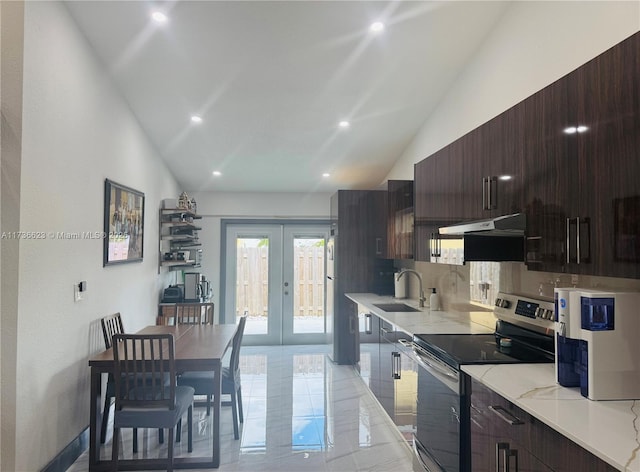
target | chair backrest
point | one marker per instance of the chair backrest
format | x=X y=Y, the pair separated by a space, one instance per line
x=234 y=362
x=193 y=313
x=111 y=325
x=142 y=364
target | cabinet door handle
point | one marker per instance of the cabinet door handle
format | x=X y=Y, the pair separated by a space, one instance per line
x=435 y=245
x=579 y=223
x=505 y=415
x=378 y=251
x=368 y=323
x=351 y=323
x=502 y=449
x=512 y=453
x=396 y=364
x=568 y=230
x=485 y=199
x=492 y=183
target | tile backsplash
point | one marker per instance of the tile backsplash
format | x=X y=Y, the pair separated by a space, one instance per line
x=453 y=282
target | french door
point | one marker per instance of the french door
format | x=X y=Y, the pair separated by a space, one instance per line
x=276 y=274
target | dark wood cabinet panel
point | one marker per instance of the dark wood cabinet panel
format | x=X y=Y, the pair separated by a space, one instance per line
x=549 y=174
x=400 y=242
x=502 y=431
x=438 y=195
x=608 y=105
x=355 y=215
x=582 y=157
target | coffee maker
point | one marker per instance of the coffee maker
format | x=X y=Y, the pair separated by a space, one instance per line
x=205 y=289
x=609 y=345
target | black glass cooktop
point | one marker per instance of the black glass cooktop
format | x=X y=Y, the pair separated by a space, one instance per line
x=459 y=349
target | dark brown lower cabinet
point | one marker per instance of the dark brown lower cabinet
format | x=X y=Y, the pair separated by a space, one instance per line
x=506 y=438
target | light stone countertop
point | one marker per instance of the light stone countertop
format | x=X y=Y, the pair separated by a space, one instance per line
x=608 y=429
x=426 y=321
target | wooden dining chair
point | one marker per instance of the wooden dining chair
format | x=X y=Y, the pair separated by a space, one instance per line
x=193 y=313
x=202 y=382
x=111 y=324
x=145 y=361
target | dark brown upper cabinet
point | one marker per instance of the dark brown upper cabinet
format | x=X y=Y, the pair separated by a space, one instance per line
x=583 y=165
x=568 y=156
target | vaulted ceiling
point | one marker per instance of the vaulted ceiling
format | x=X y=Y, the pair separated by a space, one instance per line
x=272 y=80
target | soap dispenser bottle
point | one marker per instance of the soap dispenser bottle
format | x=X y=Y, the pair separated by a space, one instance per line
x=434 y=300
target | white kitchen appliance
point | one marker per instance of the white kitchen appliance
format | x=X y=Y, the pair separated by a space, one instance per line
x=610 y=347
x=192 y=287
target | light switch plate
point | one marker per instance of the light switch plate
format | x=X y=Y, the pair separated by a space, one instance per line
x=77 y=294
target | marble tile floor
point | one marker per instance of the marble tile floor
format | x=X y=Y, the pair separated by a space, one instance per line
x=302 y=413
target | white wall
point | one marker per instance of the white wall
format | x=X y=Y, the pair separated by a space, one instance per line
x=77 y=131
x=214 y=206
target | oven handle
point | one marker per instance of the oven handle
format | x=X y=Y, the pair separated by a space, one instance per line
x=427 y=462
x=428 y=360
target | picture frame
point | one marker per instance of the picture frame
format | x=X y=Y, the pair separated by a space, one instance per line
x=123 y=224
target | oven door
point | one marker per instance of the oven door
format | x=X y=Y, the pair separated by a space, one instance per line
x=441 y=415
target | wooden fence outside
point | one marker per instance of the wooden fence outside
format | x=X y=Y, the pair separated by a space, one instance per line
x=252 y=281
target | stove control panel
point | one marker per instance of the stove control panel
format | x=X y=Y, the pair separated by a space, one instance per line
x=537 y=314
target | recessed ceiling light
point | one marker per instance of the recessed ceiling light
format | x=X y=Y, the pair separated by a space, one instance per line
x=159 y=17
x=217 y=173
x=326 y=174
x=196 y=119
x=571 y=130
x=344 y=124
x=376 y=27
x=505 y=177
x=581 y=129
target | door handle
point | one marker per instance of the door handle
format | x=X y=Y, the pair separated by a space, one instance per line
x=506 y=416
x=351 y=323
x=493 y=193
x=396 y=365
x=368 y=323
x=579 y=222
x=502 y=449
x=378 y=250
x=568 y=242
x=485 y=183
x=512 y=453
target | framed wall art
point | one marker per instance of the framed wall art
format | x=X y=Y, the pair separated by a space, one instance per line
x=123 y=224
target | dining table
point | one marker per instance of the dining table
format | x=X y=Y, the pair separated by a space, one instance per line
x=198 y=347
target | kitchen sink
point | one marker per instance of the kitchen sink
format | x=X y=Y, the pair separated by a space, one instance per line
x=395 y=307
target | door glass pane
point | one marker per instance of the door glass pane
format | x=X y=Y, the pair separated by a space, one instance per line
x=308 y=285
x=252 y=283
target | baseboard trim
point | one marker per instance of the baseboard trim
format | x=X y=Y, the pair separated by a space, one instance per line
x=69 y=454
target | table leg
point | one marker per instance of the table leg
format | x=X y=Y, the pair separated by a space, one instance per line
x=217 y=382
x=95 y=419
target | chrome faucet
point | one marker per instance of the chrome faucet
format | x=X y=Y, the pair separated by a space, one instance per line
x=422 y=298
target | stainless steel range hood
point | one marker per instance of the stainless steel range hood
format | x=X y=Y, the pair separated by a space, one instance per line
x=507 y=225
